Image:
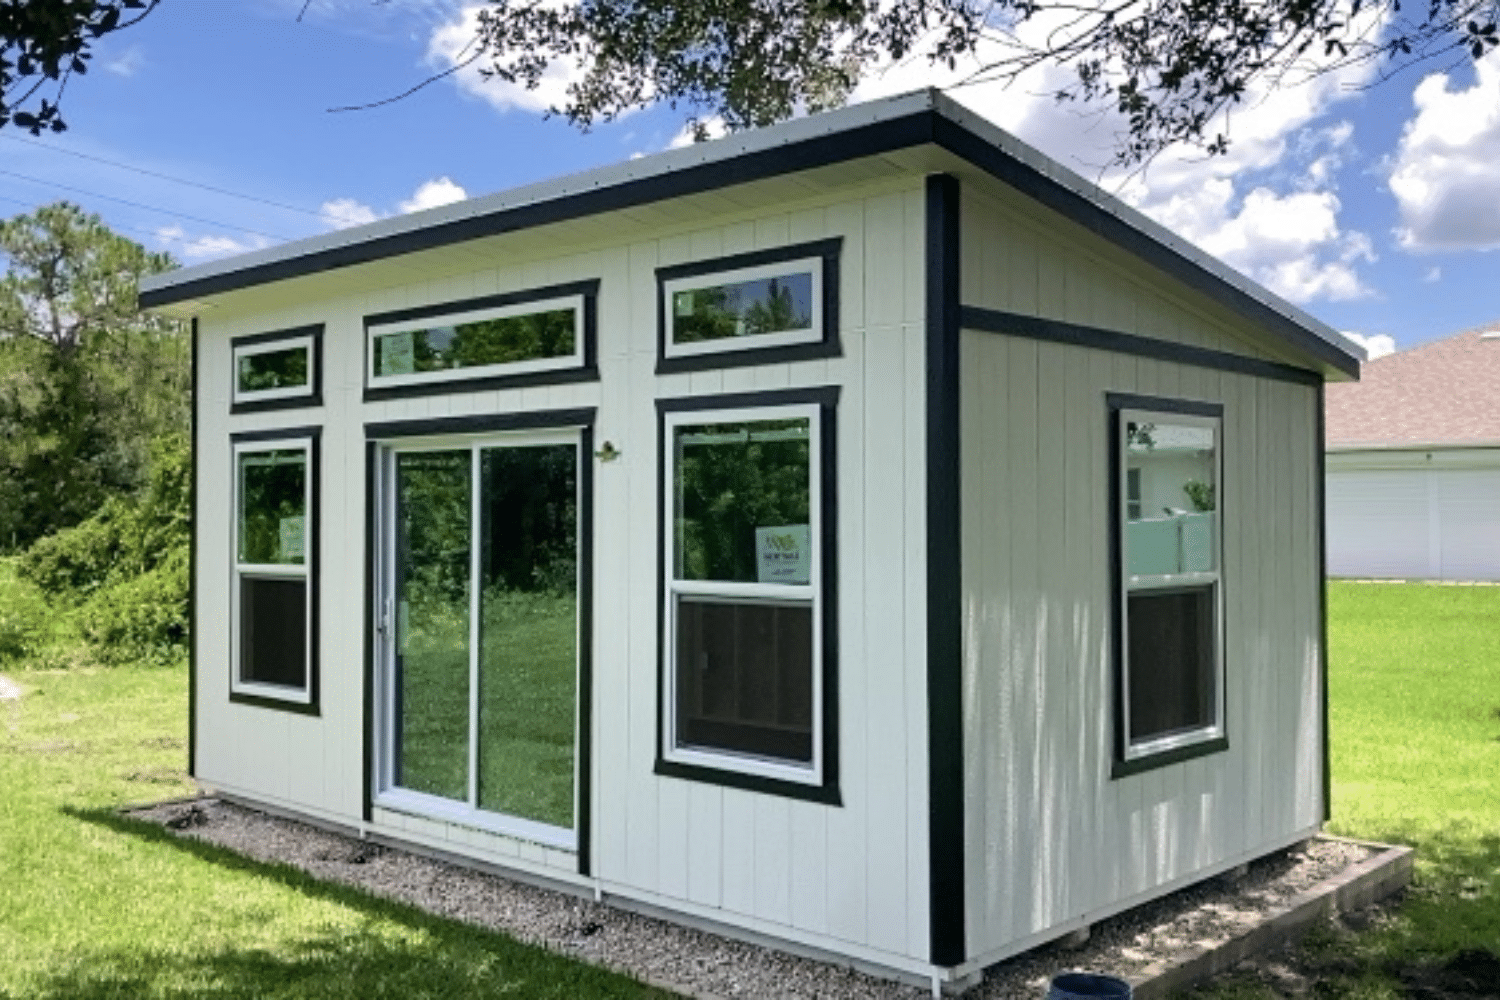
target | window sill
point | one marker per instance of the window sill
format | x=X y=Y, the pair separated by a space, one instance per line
x=1176 y=755
x=297 y=702
x=826 y=794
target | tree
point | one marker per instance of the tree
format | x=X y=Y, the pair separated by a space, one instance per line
x=1168 y=66
x=43 y=43
x=86 y=382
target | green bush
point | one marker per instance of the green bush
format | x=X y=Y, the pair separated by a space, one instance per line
x=141 y=619
x=120 y=578
x=25 y=621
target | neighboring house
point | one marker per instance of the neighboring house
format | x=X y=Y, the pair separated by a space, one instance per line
x=861 y=535
x=1414 y=464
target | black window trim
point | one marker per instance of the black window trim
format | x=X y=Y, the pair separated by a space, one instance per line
x=585 y=368
x=736 y=353
x=253 y=402
x=826 y=791
x=1216 y=738
x=256 y=696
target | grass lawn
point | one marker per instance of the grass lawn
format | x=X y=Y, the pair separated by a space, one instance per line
x=93 y=906
x=1415 y=722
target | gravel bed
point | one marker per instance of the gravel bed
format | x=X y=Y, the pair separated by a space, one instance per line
x=706 y=966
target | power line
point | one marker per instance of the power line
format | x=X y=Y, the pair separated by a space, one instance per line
x=157 y=234
x=136 y=204
x=160 y=176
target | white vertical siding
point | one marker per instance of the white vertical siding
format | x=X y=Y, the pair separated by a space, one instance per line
x=1051 y=838
x=851 y=877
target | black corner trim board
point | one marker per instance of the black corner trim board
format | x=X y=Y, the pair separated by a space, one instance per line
x=1056 y=331
x=314 y=577
x=944 y=592
x=826 y=399
x=192 y=748
x=919 y=128
x=486 y=379
x=827 y=346
x=313 y=396
x=1120 y=767
x=1320 y=485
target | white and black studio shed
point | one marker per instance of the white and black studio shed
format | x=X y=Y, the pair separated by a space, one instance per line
x=861 y=535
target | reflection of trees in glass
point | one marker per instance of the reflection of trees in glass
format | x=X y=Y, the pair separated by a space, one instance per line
x=733 y=479
x=273 y=370
x=488 y=342
x=530 y=516
x=433 y=518
x=272 y=487
x=765 y=305
x=1140 y=435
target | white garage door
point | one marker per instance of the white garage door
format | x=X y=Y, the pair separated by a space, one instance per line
x=1441 y=524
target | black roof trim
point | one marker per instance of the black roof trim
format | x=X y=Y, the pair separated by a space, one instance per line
x=930 y=124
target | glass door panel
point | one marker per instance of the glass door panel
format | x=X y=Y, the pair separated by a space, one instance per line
x=433 y=568
x=528 y=636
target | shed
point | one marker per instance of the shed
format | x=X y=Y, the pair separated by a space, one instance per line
x=1414 y=464
x=860 y=535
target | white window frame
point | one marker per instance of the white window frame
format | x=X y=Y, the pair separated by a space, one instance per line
x=811 y=334
x=304 y=341
x=810 y=593
x=389 y=795
x=238 y=685
x=1133 y=749
x=375 y=380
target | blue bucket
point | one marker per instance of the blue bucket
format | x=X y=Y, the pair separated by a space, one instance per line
x=1088 y=986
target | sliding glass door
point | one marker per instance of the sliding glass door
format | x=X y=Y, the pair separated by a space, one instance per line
x=479 y=633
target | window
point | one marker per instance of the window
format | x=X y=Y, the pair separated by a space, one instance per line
x=747 y=638
x=277 y=370
x=544 y=335
x=1169 y=634
x=275 y=548
x=755 y=308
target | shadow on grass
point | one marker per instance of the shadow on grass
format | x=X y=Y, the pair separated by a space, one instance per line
x=442 y=959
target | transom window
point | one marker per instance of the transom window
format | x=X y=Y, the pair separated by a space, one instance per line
x=275 y=370
x=542 y=334
x=274 y=544
x=1170 y=618
x=744 y=634
x=751 y=308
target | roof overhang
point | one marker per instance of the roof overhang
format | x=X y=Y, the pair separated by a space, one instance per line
x=923 y=118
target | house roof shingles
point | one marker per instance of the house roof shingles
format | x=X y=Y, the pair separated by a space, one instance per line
x=1443 y=393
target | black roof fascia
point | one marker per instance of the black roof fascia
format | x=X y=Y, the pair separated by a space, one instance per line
x=927 y=126
x=820 y=151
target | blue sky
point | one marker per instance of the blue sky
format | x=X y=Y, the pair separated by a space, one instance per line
x=1375 y=209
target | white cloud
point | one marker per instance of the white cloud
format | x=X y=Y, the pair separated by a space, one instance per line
x=1283 y=229
x=438 y=191
x=1433 y=275
x=196 y=248
x=1376 y=345
x=341 y=213
x=451 y=44
x=714 y=127
x=127 y=63
x=1445 y=180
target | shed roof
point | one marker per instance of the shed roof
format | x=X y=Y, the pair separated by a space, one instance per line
x=924 y=118
x=1443 y=393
